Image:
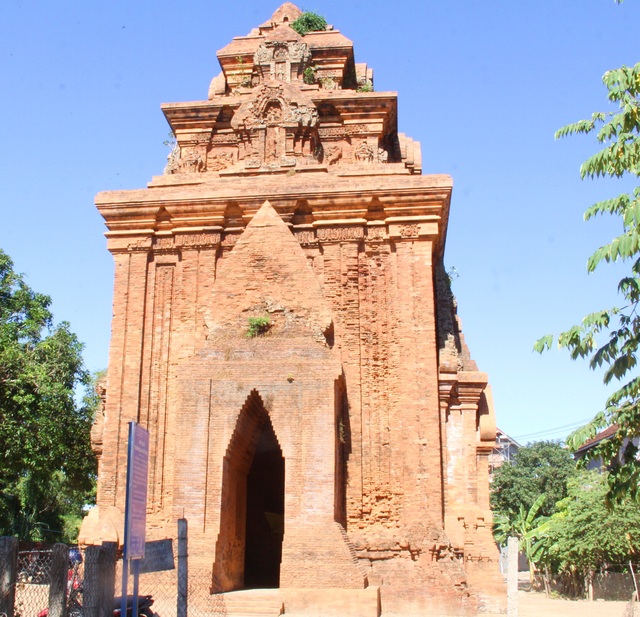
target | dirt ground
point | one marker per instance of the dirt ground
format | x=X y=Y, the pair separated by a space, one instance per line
x=534 y=604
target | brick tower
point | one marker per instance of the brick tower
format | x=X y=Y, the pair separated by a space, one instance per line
x=284 y=328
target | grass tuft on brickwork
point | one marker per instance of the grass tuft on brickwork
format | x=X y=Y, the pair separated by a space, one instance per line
x=258 y=326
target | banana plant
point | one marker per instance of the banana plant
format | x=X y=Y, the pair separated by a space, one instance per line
x=530 y=529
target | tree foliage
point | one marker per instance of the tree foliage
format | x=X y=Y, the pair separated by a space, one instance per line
x=610 y=338
x=541 y=468
x=47 y=468
x=309 y=22
x=584 y=535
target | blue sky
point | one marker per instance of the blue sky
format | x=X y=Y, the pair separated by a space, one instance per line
x=482 y=85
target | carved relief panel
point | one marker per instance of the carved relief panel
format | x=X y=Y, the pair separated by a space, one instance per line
x=281 y=60
x=277 y=128
x=191 y=156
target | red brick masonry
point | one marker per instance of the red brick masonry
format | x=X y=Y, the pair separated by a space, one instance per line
x=348 y=444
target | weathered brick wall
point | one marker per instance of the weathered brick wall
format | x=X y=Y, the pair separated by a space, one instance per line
x=381 y=417
x=378 y=284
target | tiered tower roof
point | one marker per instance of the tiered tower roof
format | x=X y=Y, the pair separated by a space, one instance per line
x=285 y=101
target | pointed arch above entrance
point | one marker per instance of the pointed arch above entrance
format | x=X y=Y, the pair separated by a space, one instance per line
x=249 y=547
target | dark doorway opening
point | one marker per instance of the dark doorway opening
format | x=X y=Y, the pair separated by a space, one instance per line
x=265 y=513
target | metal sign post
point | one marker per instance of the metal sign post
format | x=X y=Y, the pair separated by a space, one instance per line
x=135 y=516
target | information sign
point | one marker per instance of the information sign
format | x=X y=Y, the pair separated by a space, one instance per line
x=158 y=556
x=136 y=506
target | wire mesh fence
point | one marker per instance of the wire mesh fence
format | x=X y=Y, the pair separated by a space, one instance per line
x=33 y=577
x=33 y=580
x=162 y=586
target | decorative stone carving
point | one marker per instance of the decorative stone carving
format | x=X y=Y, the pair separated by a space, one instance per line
x=306 y=236
x=374 y=244
x=189 y=157
x=220 y=160
x=299 y=52
x=328 y=83
x=263 y=55
x=186 y=241
x=97 y=429
x=273 y=104
x=357 y=129
x=229 y=240
x=333 y=154
x=383 y=155
x=342 y=131
x=202 y=139
x=173 y=161
x=280 y=53
x=376 y=233
x=197 y=240
x=193 y=161
x=364 y=153
x=282 y=60
x=340 y=234
x=163 y=243
x=224 y=138
x=332 y=131
x=253 y=163
x=140 y=244
x=294 y=51
x=409 y=231
x=277 y=127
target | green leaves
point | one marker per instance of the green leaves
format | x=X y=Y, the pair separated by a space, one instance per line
x=44 y=432
x=625 y=246
x=582 y=126
x=541 y=468
x=309 y=22
x=565 y=519
x=529 y=526
x=587 y=432
x=622 y=247
x=618 y=130
x=257 y=326
x=544 y=343
x=584 y=534
x=611 y=338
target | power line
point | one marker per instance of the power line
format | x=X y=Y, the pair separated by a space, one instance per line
x=551 y=431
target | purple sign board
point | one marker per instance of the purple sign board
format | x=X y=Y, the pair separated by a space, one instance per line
x=135 y=518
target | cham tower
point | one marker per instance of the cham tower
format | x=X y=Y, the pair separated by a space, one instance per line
x=339 y=455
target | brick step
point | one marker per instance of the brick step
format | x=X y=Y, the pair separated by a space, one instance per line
x=252 y=603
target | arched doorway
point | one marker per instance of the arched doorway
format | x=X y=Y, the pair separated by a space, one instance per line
x=249 y=547
x=265 y=513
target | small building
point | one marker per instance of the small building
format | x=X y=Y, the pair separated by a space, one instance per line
x=603 y=435
x=505 y=449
